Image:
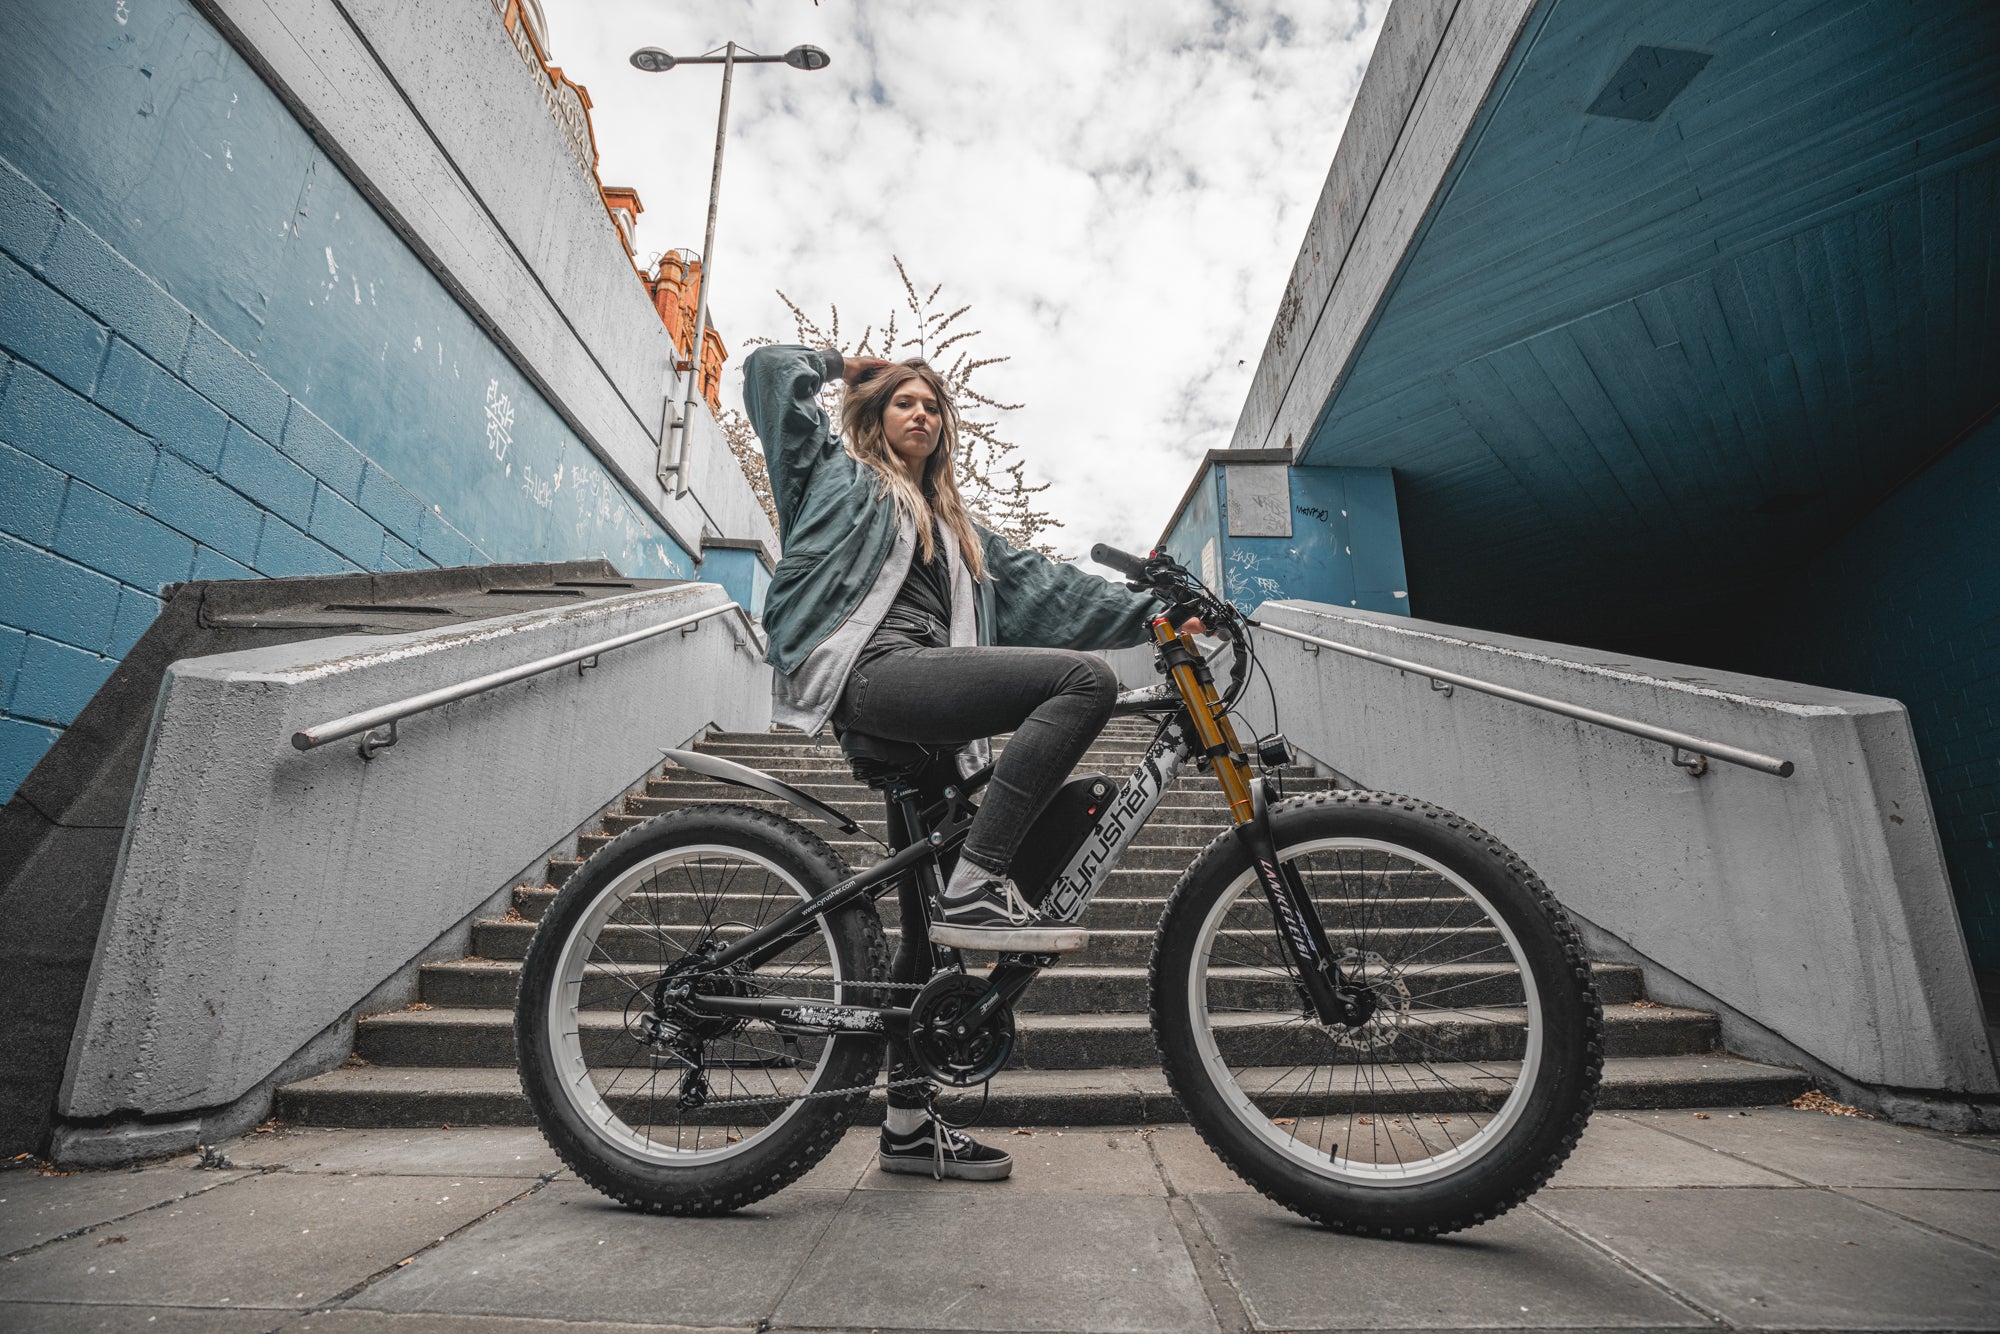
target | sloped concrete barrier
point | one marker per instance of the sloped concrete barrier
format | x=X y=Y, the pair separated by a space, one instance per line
x=262 y=893
x=1816 y=907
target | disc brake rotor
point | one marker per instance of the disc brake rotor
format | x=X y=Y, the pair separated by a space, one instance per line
x=1391 y=1010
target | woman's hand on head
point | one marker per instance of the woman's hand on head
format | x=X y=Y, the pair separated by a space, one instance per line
x=856 y=369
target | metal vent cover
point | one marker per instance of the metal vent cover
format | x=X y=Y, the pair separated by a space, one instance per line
x=1651 y=77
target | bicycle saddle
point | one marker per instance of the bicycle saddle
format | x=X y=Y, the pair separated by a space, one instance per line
x=878 y=761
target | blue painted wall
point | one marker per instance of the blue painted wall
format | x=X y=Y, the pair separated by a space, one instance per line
x=216 y=360
x=1346 y=546
x=1907 y=605
x=741 y=573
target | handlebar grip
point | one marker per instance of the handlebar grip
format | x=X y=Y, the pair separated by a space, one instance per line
x=1112 y=558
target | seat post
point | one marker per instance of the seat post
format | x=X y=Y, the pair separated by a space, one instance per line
x=914 y=888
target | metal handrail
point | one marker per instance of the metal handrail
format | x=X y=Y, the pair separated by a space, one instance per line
x=1700 y=750
x=370 y=721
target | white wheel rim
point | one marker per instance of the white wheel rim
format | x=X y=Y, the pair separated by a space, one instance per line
x=564 y=1033
x=1347 y=1169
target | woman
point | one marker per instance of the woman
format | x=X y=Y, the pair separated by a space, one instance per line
x=894 y=614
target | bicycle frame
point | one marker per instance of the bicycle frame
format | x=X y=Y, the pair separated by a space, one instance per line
x=1199 y=727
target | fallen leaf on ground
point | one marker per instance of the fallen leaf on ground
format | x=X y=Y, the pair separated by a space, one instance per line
x=1701 y=1116
x=1812 y=1100
x=110 y=1241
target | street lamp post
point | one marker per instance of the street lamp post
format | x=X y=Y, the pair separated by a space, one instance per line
x=653 y=60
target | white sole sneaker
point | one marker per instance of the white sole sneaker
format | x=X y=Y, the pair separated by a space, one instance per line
x=925 y=1165
x=1011 y=939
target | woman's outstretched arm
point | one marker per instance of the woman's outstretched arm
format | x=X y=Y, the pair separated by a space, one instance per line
x=1043 y=603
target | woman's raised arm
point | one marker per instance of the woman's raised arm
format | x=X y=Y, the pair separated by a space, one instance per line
x=781 y=397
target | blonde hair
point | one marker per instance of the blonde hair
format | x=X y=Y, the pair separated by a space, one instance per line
x=937 y=500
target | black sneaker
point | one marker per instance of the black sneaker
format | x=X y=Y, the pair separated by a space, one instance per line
x=936 y=1150
x=994 y=916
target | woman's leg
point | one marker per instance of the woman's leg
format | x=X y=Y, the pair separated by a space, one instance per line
x=1055 y=701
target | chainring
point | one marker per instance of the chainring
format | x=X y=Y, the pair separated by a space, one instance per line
x=947 y=1049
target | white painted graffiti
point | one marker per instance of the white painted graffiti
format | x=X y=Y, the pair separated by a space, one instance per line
x=499 y=420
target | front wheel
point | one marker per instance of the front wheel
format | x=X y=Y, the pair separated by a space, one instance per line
x=1472 y=1075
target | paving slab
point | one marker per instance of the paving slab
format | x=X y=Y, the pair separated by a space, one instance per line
x=35 y=1208
x=1838 y=1150
x=383 y=1322
x=841 y=1169
x=76 y=1318
x=1971 y=1214
x=1519 y=1271
x=275 y=1240
x=1618 y=1151
x=1790 y=1259
x=485 y=1152
x=1085 y=1161
x=1190 y=1167
x=567 y=1252
x=952 y=1261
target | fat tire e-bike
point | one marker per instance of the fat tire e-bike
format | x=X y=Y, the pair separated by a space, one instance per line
x=1369 y=1008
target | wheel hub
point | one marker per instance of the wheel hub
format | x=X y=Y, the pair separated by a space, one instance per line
x=1384 y=1003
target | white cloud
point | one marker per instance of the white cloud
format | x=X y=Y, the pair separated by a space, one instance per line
x=1119 y=189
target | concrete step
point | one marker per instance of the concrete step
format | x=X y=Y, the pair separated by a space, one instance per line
x=860 y=801
x=640 y=943
x=469 y=1036
x=1140 y=856
x=800 y=769
x=1132 y=901
x=1074 y=988
x=1182 y=825
x=399 y=1098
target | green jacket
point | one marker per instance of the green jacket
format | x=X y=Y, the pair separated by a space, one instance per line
x=837 y=533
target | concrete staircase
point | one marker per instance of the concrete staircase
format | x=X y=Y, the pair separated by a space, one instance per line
x=1084 y=1051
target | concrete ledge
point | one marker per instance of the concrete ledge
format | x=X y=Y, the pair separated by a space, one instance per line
x=1817 y=906
x=261 y=893
x=1426 y=87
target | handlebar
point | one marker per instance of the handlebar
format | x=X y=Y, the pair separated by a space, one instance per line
x=1125 y=563
x=1170 y=582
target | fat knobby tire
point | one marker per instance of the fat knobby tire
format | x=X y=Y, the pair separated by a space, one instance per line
x=1573 y=1054
x=779 y=1157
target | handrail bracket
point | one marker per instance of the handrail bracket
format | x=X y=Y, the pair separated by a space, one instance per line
x=378 y=738
x=1693 y=761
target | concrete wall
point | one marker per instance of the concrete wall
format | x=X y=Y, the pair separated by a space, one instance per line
x=1426 y=86
x=311 y=878
x=258 y=328
x=1817 y=905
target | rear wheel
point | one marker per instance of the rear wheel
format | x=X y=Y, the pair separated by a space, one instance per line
x=1470 y=1079
x=662 y=1107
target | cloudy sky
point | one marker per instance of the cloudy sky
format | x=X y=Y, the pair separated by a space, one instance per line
x=1118 y=187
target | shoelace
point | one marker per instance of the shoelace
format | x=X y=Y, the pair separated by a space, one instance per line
x=1018 y=909
x=941 y=1134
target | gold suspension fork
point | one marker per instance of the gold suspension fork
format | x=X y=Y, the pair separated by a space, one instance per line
x=1325 y=990
x=1212 y=728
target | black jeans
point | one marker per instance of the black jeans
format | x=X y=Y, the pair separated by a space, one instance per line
x=1054 y=701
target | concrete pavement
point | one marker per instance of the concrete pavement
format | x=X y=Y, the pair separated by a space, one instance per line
x=1770 y=1218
